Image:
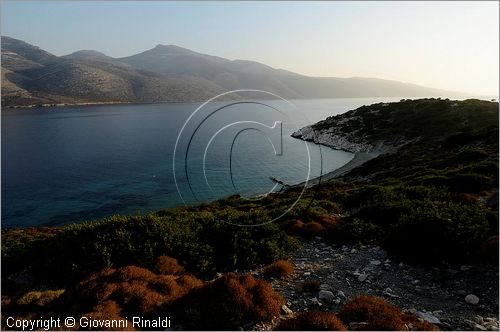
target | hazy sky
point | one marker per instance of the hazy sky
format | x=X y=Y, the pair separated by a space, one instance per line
x=450 y=45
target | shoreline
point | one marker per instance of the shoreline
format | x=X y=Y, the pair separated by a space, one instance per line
x=359 y=159
x=60 y=105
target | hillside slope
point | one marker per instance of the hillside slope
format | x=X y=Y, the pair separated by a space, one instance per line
x=163 y=74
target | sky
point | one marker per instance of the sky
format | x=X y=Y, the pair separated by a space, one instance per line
x=448 y=45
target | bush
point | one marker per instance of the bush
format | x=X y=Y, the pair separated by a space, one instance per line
x=377 y=313
x=400 y=218
x=380 y=315
x=205 y=241
x=294 y=227
x=430 y=231
x=489 y=249
x=107 y=311
x=168 y=265
x=470 y=182
x=137 y=291
x=39 y=299
x=313 y=229
x=279 y=269
x=228 y=303
x=312 y=321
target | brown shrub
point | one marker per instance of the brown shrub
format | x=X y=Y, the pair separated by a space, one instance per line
x=467 y=199
x=108 y=310
x=328 y=221
x=6 y=301
x=169 y=265
x=310 y=286
x=228 y=303
x=377 y=313
x=137 y=291
x=313 y=321
x=489 y=249
x=313 y=229
x=279 y=269
x=293 y=227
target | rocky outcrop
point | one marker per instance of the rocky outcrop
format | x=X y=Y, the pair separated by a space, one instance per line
x=332 y=138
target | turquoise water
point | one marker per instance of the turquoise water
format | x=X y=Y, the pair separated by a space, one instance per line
x=69 y=164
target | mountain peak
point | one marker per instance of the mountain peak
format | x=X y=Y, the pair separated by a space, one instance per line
x=171 y=49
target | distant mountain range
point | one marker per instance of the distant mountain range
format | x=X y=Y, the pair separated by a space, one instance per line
x=32 y=76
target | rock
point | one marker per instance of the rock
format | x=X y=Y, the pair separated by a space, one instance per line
x=437 y=313
x=478 y=327
x=326 y=296
x=428 y=317
x=491 y=326
x=375 y=262
x=416 y=281
x=341 y=295
x=472 y=299
x=353 y=251
x=286 y=310
x=307 y=273
x=464 y=268
x=357 y=326
x=478 y=319
x=450 y=273
x=315 y=301
x=362 y=277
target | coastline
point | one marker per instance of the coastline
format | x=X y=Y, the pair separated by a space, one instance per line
x=359 y=159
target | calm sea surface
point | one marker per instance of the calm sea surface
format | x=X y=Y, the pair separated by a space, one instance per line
x=70 y=164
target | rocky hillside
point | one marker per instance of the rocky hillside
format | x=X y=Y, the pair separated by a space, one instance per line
x=396 y=124
x=33 y=76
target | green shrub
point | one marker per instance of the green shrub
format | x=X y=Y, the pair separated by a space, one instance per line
x=204 y=241
x=470 y=182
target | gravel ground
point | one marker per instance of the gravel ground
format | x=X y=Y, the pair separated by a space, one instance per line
x=437 y=294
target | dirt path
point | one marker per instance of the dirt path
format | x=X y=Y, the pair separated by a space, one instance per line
x=438 y=294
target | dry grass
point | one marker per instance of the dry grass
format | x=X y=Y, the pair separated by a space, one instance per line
x=229 y=303
x=136 y=290
x=313 y=229
x=321 y=226
x=377 y=313
x=313 y=321
x=279 y=269
x=108 y=310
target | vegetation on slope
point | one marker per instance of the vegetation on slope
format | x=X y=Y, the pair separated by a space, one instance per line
x=434 y=199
